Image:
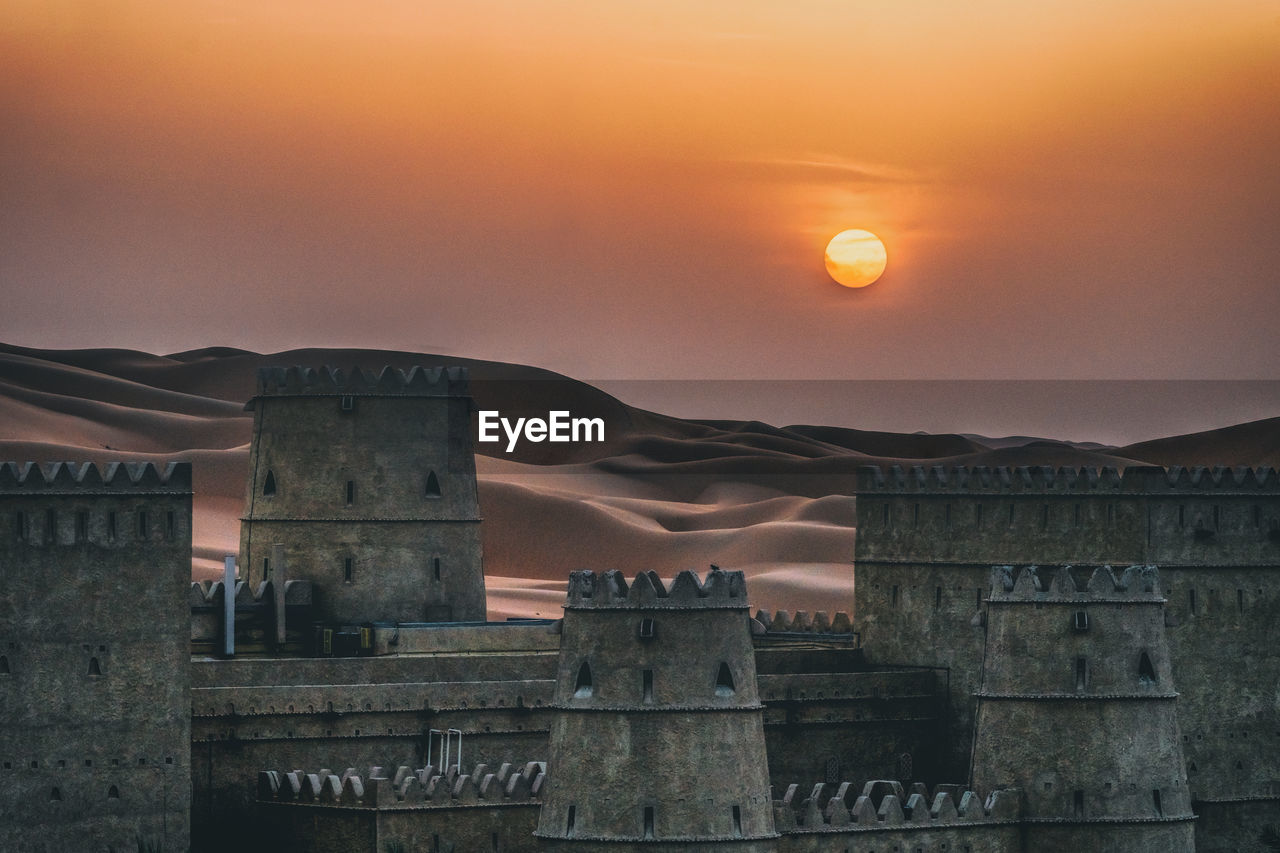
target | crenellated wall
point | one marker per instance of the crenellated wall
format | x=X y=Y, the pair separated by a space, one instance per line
x=488 y=808
x=883 y=816
x=94 y=660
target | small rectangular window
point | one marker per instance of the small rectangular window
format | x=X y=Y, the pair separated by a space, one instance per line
x=937 y=598
x=1082 y=673
x=946 y=512
x=51 y=526
x=82 y=526
x=143 y=528
x=348 y=569
x=737 y=822
x=266 y=567
x=1077 y=515
x=20 y=525
x=893 y=597
x=348 y=403
x=915 y=516
x=1078 y=798
x=111 y=526
x=647 y=685
x=1081 y=622
x=1191 y=600
x=648 y=628
x=170 y=524
x=435 y=567
x=1044 y=517
x=1239 y=600
x=884 y=522
x=570 y=820
x=648 y=821
x=351 y=492
x=977 y=516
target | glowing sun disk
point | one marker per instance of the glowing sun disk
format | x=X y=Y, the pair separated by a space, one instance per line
x=855 y=258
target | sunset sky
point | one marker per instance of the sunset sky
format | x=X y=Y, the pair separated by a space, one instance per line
x=1080 y=189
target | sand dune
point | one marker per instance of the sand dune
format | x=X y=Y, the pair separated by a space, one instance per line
x=661 y=493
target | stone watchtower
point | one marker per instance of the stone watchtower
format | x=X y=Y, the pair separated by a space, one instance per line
x=658 y=743
x=369 y=482
x=1077 y=708
x=95 y=660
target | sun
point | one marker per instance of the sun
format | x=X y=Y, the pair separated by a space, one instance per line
x=855 y=258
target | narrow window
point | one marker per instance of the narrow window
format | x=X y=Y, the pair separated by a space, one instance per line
x=915 y=516
x=884 y=521
x=1081 y=621
x=4 y=664
x=1077 y=515
x=724 y=680
x=647 y=685
x=582 y=687
x=1011 y=508
x=113 y=793
x=266 y=567
x=1216 y=517
x=569 y=821
x=1082 y=673
x=977 y=595
x=1182 y=516
x=978 y=516
x=1155 y=798
x=1239 y=600
x=493 y=842
x=143 y=527
x=937 y=598
x=170 y=524
x=1111 y=514
x=1191 y=600
x=20 y=525
x=111 y=526
x=1257 y=516
x=893 y=597
x=433 y=485
x=737 y=822
x=95 y=668
x=1044 y=517
x=1146 y=672
x=55 y=795
x=348 y=569
x=648 y=629
x=435 y=568
x=82 y=526
x=946 y=513
x=351 y=492
x=269 y=484
x=51 y=526
x=348 y=403
x=648 y=821
x=1078 y=796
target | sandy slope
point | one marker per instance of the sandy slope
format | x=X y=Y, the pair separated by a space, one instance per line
x=662 y=493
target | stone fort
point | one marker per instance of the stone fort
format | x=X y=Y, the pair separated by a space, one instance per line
x=1037 y=660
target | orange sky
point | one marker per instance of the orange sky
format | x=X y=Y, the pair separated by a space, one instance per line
x=1066 y=189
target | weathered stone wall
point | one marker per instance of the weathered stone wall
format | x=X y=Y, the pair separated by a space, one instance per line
x=256 y=713
x=94 y=666
x=369 y=483
x=927 y=537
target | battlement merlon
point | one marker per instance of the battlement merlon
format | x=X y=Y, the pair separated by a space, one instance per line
x=1134 y=480
x=425 y=787
x=722 y=590
x=80 y=478
x=1044 y=584
x=327 y=381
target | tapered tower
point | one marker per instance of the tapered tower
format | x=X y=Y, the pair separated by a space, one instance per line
x=369 y=482
x=1077 y=708
x=659 y=740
